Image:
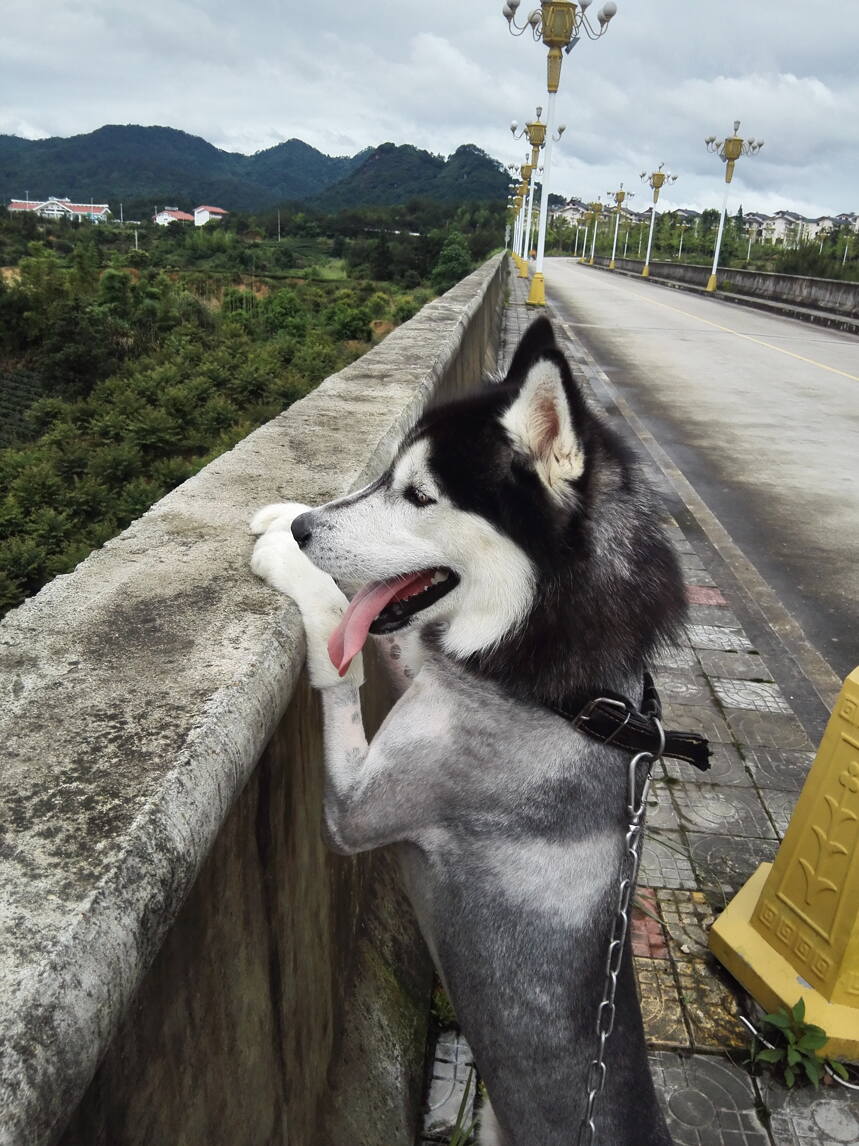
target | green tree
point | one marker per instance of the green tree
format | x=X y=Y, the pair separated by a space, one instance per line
x=453 y=264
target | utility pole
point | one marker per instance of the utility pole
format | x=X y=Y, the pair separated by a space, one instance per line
x=278 y=224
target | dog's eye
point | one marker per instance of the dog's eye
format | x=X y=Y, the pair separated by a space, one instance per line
x=417 y=497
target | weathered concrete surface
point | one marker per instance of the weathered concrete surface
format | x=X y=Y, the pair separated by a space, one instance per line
x=830 y=297
x=137 y=696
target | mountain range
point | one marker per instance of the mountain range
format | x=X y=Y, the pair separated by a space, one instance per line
x=162 y=165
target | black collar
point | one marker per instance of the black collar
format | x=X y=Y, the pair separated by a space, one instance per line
x=614 y=719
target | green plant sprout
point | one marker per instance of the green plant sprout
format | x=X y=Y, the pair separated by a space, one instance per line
x=461 y=1132
x=789 y=1045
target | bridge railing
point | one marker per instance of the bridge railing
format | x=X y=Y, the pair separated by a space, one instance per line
x=833 y=296
x=180 y=959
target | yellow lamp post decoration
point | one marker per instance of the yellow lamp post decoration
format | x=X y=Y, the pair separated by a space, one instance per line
x=793 y=930
x=560 y=25
x=619 y=197
x=729 y=151
x=656 y=180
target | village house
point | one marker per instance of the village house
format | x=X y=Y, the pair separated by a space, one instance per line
x=204 y=215
x=201 y=216
x=169 y=215
x=56 y=208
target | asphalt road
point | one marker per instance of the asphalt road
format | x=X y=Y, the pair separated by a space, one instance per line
x=761 y=415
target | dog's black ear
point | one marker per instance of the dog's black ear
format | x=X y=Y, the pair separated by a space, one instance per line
x=537 y=339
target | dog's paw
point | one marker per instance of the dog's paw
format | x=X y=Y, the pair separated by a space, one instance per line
x=278 y=560
x=278 y=516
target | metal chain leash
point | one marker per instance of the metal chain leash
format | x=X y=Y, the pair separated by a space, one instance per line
x=635 y=806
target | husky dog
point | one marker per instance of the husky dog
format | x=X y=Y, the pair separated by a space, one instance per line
x=512 y=561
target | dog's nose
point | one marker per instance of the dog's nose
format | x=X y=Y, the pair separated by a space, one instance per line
x=302 y=528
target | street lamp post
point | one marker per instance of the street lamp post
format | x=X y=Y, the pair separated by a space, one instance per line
x=519 y=200
x=560 y=24
x=684 y=227
x=656 y=180
x=535 y=131
x=587 y=218
x=596 y=208
x=619 y=197
x=522 y=201
x=729 y=151
x=527 y=171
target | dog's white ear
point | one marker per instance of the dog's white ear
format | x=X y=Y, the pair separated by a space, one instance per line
x=540 y=425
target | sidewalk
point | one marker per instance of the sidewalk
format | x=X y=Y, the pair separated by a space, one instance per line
x=706 y=834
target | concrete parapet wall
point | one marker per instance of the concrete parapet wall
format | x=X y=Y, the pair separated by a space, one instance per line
x=831 y=295
x=180 y=960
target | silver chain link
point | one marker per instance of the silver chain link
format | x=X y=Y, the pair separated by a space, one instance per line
x=636 y=805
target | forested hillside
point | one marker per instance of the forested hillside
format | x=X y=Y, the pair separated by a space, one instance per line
x=392 y=175
x=142 y=167
x=129 y=357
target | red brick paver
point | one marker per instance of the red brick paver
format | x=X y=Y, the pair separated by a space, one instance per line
x=702 y=595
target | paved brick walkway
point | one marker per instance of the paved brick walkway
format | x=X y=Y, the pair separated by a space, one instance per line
x=706 y=834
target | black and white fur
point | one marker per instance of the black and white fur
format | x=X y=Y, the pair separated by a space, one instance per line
x=509 y=824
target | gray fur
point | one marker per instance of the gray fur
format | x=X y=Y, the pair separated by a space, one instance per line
x=508 y=823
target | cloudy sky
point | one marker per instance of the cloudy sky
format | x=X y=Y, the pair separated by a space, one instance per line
x=342 y=75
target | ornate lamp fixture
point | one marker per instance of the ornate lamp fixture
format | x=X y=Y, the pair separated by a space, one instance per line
x=656 y=180
x=729 y=151
x=560 y=25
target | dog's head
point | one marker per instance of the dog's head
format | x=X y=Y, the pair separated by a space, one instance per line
x=484 y=522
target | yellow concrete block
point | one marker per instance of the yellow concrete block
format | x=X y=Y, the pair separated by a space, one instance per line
x=793 y=930
x=537 y=294
x=711 y=283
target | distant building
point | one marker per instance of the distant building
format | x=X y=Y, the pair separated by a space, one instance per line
x=55 y=208
x=572 y=210
x=171 y=215
x=204 y=215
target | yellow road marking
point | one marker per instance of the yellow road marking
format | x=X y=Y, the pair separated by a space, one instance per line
x=750 y=338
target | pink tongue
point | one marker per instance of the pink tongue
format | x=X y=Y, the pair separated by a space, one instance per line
x=348 y=638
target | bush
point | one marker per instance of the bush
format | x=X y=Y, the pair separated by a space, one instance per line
x=405 y=309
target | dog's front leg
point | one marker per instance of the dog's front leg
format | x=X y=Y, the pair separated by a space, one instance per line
x=354 y=820
x=363 y=809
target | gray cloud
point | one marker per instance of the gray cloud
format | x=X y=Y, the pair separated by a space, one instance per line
x=343 y=76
